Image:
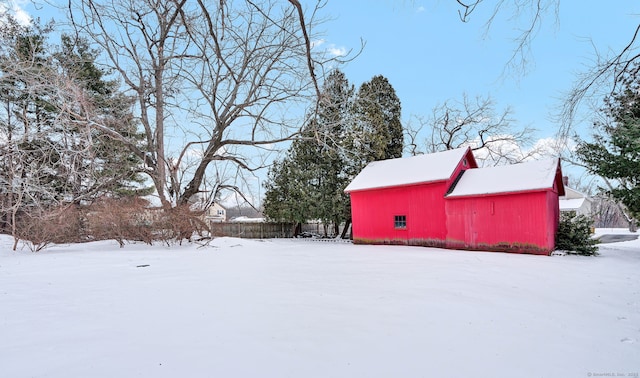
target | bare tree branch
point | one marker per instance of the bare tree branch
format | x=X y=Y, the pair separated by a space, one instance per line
x=307 y=41
x=228 y=73
x=467 y=9
x=601 y=80
x=473 y=123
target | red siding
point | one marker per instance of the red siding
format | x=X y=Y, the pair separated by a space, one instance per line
x=515 y=222
x=373 y=213
x=553 y=207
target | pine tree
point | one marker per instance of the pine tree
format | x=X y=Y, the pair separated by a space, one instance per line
x=285 y=198
x=378 y=132
x=574 y=234
x=119 y=168
x=309 y=183
x=615 y=153
x=331 y=125
x=49 y=99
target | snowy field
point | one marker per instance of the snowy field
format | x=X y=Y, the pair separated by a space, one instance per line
x=300 y=308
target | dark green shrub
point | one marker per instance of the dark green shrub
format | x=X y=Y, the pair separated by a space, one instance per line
x=574 y=235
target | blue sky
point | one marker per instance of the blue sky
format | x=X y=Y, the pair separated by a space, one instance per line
x=429 y=56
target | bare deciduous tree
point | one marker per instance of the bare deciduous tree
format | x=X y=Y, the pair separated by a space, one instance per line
x=473 y=123
x=607 y=213
x=227 y=79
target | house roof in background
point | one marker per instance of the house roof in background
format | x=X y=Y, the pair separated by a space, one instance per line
x=571 y=204
x=571 y=193
x=533 y=175
x=405 y=171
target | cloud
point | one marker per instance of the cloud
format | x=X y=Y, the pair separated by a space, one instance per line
x=22 y=17
x=16 y=10
x=336 y=51
x=553 y=146
x=505 y=149
x=502 y=149
x=317 y=42
x=420 y=9
x=329 y=48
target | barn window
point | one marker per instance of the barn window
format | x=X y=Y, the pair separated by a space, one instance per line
x=400 y=221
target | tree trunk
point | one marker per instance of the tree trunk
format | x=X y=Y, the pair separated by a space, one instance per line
x=347 y=224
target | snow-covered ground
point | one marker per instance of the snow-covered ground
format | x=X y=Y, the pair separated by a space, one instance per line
x=301 y=308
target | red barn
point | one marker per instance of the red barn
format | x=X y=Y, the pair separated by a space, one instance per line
x=445 y=200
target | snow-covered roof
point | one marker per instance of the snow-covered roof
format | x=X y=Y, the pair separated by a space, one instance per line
x=521 y=177
x=571 y=204
x=245 y=219
x=570 y=193
x=412 y=170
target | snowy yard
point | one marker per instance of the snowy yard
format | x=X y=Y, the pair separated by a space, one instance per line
x=300 y=308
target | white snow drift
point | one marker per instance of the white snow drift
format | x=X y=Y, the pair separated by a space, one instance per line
x=299 y=308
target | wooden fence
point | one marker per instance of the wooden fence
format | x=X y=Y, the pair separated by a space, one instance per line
x=261 y=230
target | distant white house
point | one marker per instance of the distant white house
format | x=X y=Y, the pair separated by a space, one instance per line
x=574 y=200
x=216 y=213
x=212 y=212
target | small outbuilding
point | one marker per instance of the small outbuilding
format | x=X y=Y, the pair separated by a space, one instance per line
x=445 y=200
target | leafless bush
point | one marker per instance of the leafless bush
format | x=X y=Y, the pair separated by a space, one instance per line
x=131 y=219
x=40 y=228
x=179 y=223
x=124 y=219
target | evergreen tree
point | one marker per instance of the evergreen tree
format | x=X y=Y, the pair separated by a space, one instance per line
x=50 y=94
x=119 y=167
x=615 y=153
x=285 y=198
x=309 y=183
x=331 y=125
x=574 y=235
x=378 y=132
